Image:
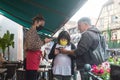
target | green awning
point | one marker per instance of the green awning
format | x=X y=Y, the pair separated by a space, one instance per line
x=56 y=12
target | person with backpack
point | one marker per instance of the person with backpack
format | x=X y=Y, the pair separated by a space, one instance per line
x=63 y=64
x=90 y=48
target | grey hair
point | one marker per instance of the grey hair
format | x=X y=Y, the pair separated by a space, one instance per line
x=85 y=20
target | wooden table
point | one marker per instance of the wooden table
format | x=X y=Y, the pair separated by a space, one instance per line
x=39 y=70
x=3 y=73
x=17 y=63
x=43 y=73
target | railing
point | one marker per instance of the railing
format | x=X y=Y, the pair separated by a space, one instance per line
x=93 y=77
x=114 y=44
x=113 y=53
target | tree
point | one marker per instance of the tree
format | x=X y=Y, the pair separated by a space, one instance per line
x=6 y=41
x=3 y=45
x=109 y=37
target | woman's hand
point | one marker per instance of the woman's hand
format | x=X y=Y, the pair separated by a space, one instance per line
x=47 y=40
x=57 y=51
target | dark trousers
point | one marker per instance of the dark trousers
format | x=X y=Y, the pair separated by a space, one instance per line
x=31 y=75
x=59 y=77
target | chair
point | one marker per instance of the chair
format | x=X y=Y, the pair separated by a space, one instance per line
x=20 y=74
x=11 y=70
x=3 y=73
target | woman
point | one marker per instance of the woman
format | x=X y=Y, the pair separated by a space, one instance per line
x=32 y=47
x=62 y=66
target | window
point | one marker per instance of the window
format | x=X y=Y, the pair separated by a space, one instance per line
x=104 y=9
x=105 y=35
x=112 y=6
x=114 y=19
x=109 y=8
x=71 y=31
x=114 y=35
x=101 y=22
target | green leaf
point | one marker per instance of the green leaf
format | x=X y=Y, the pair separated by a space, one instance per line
x=6 y=41
x=12 y=37
x=13 y=44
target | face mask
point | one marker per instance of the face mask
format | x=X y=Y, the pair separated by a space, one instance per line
x=39 y=28
x=63 y=42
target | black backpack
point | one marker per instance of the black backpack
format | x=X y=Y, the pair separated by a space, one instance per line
x=99 y=54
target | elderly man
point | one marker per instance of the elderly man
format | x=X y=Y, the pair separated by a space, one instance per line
x=87 y=44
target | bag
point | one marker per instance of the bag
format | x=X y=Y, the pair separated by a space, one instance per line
x=51 y=54
x=99 y=54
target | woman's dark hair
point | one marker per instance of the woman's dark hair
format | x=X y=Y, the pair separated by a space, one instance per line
x=64 y=35
x=37 y=18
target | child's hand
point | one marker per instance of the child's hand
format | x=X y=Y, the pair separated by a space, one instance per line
x=62 y=50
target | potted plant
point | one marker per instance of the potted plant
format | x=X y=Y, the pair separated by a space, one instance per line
x=6 y=41
x=3 y=45
x=103 y=70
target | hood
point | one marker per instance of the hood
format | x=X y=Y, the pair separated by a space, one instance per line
x=94 y=29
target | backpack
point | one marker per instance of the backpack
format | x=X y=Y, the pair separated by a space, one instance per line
x=99 y=54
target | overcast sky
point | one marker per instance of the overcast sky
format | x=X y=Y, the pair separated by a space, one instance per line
x=90 y=9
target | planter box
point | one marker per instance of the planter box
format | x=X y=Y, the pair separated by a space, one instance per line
x=115 y=72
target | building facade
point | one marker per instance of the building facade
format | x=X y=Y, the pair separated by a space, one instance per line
x=110 y=20
x=72 y=28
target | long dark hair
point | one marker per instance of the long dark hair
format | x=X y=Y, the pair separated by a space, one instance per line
x=64 y=35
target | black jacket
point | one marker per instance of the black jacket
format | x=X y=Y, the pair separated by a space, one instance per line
x=52 y=56
x=88 y=42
